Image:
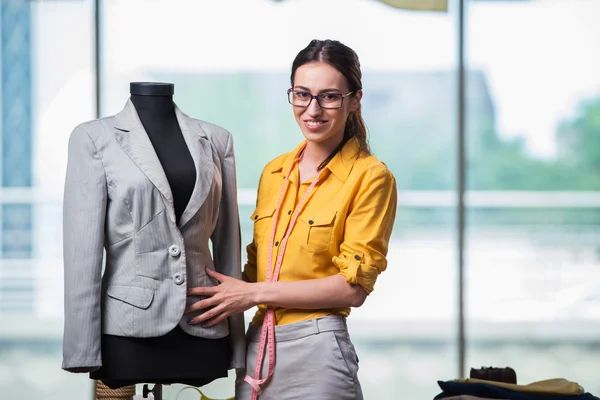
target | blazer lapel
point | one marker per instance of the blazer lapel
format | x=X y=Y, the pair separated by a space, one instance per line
x=201 y=151
x=133 y=138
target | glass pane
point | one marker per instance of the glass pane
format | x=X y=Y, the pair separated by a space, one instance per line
x=533 y=252
x=46 y=88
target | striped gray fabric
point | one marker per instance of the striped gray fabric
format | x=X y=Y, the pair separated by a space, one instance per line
x=118 y=204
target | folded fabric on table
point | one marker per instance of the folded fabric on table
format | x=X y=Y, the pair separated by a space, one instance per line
x=548 y=386
x=494 y=391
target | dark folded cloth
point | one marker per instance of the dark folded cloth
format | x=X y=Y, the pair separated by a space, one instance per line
x=506 y=374
x=467 y=397
x=452 y=388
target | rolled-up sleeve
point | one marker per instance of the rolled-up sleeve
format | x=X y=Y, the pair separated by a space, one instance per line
x=368 y=229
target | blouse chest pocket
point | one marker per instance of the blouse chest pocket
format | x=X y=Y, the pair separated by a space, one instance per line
x=315 y=230
x=262 y=218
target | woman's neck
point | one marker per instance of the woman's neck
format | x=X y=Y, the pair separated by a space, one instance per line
x=313 y=156
x=316 y=152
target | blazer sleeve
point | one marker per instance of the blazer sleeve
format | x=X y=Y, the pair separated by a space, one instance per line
x=84 y=210
x=226 y=240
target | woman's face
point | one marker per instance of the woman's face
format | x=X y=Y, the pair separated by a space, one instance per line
x=318 y=124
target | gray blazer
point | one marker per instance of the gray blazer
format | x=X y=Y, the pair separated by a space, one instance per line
x=118 y=206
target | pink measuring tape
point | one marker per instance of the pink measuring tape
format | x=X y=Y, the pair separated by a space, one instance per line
x=267 y=335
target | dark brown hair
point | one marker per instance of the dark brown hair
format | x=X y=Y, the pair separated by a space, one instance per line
x=345 y=60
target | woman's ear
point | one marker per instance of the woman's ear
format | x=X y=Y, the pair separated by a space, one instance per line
x=355 y=101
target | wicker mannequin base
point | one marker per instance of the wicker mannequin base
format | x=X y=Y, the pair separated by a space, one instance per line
x=103 y=392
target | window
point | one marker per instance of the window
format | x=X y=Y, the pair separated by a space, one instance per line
x=532 y=252
x=532 y=101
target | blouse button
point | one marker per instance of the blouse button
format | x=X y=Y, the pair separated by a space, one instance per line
x=256 y=217
x=357 y=257
x=310 y=222
x=276 y=243
x=289 y=212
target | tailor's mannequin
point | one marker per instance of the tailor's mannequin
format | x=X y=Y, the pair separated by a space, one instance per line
x=176 y=357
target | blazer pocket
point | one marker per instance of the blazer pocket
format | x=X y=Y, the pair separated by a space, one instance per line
x=136 y=296
x=262 y=218
x=315 y=230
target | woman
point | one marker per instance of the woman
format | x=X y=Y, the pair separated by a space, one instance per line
x=322 y=225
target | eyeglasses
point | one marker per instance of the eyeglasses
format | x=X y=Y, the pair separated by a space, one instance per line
x=300 y=98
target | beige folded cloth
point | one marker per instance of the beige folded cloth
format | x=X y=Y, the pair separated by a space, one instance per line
x=422 y=5
x=558 y=386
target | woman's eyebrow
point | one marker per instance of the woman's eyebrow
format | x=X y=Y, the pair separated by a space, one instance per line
x=330 y=90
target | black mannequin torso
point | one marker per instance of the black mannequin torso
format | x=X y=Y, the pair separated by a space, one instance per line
x=176 y=357
x=157 y=114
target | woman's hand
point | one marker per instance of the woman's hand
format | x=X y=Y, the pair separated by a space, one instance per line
x=231 y=296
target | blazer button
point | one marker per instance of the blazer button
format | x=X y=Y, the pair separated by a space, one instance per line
x=174 y=250
x=178 y=278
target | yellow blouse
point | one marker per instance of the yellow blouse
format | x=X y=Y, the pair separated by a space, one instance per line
x=344 y=227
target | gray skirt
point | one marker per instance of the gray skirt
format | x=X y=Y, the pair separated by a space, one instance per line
x=314 y=359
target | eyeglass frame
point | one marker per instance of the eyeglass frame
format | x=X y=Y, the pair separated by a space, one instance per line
x=316 y=97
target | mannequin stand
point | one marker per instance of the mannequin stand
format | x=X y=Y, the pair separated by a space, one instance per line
x=156 y=391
